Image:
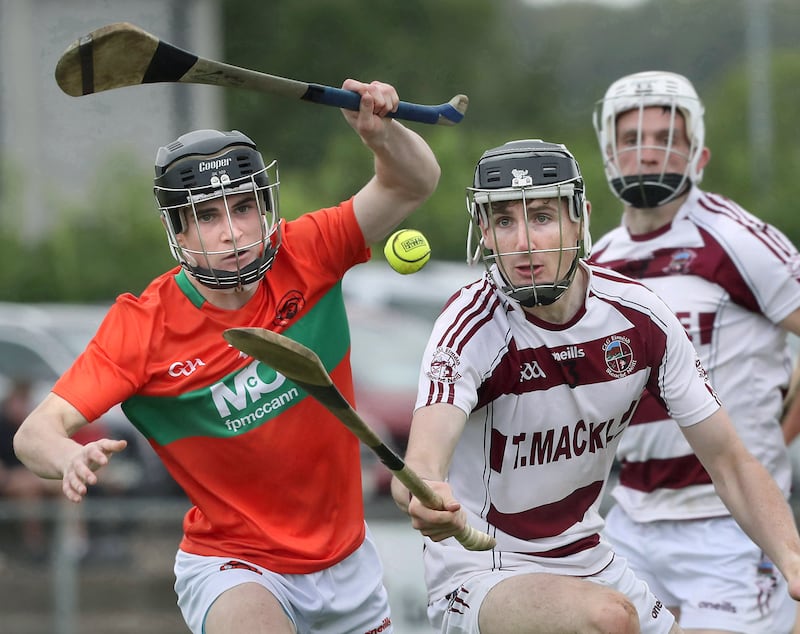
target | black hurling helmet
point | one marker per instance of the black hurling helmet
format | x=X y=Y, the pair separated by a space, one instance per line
x=208 y=164
x=525 y=170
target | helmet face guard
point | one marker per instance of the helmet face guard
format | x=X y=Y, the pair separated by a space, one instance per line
x=524 y=171
x=207 y=165
x=676 y=95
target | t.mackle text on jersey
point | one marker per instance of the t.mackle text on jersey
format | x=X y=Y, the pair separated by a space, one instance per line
x=554 y=444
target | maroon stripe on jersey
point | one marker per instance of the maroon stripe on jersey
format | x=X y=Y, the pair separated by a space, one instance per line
x=666 y=473
x=465 y=319
x=650 y=410
x=542 y=368
x=601 y=271
x=477 y=311
x=570 y=549
x=497 y=450
x=521 y=371
x=475 y=286
x=596 y=255
x=715 y=265
x=711 y=262
x=547 y=520
x=769 y=236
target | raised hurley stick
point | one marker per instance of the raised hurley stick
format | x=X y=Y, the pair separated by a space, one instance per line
x=301 y=365
x=123 y=54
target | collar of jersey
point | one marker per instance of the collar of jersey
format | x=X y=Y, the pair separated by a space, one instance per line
x=189 y=289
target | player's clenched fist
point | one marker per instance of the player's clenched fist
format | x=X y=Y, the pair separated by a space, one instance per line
x=438 y=524
x=377 y=100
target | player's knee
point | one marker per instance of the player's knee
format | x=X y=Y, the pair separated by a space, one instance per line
x=617 y=615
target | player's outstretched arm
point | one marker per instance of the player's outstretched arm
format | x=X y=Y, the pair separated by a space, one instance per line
x=435 y=431
x=43 y=444
x=406 y=170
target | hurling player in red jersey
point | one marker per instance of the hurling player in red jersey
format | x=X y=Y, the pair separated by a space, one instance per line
x=275 y=540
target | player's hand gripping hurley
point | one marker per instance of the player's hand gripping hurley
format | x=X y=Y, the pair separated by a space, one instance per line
x=122 y=54
x=301 y=365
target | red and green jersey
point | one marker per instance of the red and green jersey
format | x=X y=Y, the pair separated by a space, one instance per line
x=273 y=477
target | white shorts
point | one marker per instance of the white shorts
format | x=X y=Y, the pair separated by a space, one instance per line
x=709 y=569
x=347 y=597
x=654 y=618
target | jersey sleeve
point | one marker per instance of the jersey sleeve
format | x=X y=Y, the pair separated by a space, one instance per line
x=114 y=360
x=766 y=260
x=464 y=347
x=687 y=395
x=324 y=242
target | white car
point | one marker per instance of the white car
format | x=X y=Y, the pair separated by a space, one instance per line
x=38 y=342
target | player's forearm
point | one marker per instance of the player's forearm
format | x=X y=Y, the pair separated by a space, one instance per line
x=42 y=448
x=790 y=425
x=406 y=165
x=406 y=174
x=759 y=507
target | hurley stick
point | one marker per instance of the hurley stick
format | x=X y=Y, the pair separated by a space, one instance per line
x=302 y=366
x=122 y=54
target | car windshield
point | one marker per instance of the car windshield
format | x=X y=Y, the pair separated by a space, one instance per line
x=39 y=342
x=386 y=349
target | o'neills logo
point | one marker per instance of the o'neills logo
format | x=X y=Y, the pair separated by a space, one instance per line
x=619 y=356
x=385 y=625
x=570 y=352
x=204 y=166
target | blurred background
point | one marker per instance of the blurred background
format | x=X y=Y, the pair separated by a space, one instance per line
x=78 y=225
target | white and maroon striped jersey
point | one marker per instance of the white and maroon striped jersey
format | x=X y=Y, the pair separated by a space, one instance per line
x=546 y=406
x=729 y=278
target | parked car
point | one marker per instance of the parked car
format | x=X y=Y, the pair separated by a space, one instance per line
x=422 y=294
x=38 y=342
x=386 y=349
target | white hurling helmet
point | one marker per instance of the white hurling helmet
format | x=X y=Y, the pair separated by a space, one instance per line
x=526 y=170
x=637 y=92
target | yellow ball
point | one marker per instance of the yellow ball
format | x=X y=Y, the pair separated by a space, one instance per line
x=407 y=251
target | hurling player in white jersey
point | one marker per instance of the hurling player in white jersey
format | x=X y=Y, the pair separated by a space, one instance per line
x=734 y=283
x=532 y=375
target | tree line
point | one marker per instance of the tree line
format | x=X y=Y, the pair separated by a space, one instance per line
x=529 y=71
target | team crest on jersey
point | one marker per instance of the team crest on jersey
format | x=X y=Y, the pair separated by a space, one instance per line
x=444 y=366
x=619 y=356
x=679 y=264
x=288 y=308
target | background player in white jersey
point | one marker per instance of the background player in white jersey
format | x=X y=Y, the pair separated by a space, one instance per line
x=734 y=283
x=271 y=544
x=530 y=378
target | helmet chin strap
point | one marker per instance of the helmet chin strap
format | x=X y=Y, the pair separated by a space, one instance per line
x=541 y=295
x=545 y=294
x=218 y=279
x=646 y=191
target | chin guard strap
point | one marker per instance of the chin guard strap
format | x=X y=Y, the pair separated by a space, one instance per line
x=646 y=191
